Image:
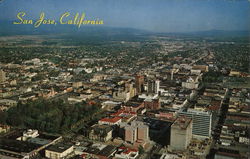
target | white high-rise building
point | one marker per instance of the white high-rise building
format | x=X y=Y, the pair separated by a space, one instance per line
x=181 y=133
x=157 y=86
x=153 y=86
x=202 y=122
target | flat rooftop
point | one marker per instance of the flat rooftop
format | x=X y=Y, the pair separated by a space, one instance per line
x=18 y=146
x=58 y=147
x=39 y=141
x=107 y=151
x=182 y=122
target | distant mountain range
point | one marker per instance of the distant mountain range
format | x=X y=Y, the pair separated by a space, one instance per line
x=8 y=28
x=214 y=33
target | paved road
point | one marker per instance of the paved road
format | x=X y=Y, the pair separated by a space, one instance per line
x=221 y=119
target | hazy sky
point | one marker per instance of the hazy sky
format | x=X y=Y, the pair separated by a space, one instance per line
x=153 y=15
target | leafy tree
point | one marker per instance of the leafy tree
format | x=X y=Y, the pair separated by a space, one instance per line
x=3 y=117
x=141 y=149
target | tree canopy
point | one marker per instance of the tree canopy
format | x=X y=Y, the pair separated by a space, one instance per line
x=49 y=116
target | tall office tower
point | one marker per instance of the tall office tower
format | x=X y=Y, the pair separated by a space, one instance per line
x=2 y=76
x=153 y=86
x=172 y=75
x=181 y=133
x=202 y=122
x=142 y=132
x=137 y=131
x=129 y=88
x=130 y=134
x=139 y=82
x=157 y=86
